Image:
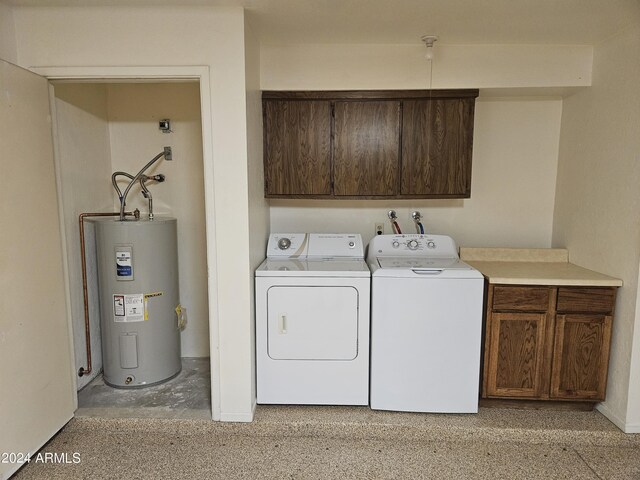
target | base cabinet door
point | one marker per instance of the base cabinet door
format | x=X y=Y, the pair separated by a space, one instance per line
x=581 y=356
x=548 y=343
x=516 y=355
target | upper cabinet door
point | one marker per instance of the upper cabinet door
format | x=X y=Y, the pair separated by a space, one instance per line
x=297 y=147
x=437 y=141
x=38 y=394
x=366 y=148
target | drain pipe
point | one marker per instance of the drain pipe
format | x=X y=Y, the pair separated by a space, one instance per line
x=87 y=326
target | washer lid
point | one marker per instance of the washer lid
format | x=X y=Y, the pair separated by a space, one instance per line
x=422 y=262
x=421 y=267
x=313 y=268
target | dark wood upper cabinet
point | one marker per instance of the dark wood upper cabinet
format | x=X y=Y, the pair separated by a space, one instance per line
x=366 y=148
x=297 y=148
x=437 y=142
x=368 y=144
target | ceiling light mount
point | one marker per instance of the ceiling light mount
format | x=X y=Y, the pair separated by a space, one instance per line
x=429 y=40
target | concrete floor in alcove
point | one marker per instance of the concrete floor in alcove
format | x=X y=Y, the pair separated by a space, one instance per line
x=188 y=395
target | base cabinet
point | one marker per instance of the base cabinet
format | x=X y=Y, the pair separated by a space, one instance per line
x=581 y=357
x=547 y=343
x=517 y=354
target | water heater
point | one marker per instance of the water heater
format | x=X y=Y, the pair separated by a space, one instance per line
x=139 y=300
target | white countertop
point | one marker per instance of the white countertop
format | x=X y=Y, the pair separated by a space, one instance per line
x=533 y=267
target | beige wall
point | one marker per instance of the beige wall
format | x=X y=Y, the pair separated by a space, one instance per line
x=598 y=202
x=258 y=206
x=8 y=49
x=134 y=110
x=84 y=170
x=512 y=187
x=185 y=35
x=327 y=67
x=515 y=139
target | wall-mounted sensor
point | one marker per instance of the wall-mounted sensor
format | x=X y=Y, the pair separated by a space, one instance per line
x=165 y=125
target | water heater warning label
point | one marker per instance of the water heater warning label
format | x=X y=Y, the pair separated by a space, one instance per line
x=128 y=308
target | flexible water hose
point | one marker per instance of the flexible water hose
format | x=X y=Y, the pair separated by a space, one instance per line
x=393 y=219
x=417 y=216
x=123 y=197
x=115 y=182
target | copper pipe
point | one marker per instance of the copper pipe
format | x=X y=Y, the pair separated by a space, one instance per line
x=87 y=326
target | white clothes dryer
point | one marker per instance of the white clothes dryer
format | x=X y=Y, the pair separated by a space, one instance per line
x=312 y=321
x=426 y=325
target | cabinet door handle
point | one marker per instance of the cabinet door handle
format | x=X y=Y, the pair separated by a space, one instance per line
x=282 y=324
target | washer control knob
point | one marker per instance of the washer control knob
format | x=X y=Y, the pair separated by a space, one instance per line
x=352 y=244
x=413 y=244
x=284 y=243
x=431 y=244
x=395 y=244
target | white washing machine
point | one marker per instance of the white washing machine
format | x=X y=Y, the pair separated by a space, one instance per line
x=312 y=320
x=426 y=325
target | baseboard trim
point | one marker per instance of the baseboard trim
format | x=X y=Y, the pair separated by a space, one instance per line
x=239 y=417
x=632 y=428
x=617 y=420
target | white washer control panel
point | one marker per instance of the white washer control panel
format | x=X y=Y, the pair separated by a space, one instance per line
x=413 y=245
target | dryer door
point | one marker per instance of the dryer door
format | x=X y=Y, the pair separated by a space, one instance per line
x=312 y=322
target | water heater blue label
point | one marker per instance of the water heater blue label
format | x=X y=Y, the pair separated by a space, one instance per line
x=123 y=271
x=124 y=264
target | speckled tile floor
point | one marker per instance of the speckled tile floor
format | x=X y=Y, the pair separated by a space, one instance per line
x=293 y=442
x=165 y=432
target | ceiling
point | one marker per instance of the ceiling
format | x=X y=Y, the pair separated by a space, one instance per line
x=570 y=22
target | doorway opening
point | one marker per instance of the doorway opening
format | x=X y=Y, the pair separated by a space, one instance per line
x=103 y=126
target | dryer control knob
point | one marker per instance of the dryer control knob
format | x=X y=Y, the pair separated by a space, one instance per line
x=352 y=244
x=413 y=244
x=395 y=244
x=284 y=243
x=431 y=244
